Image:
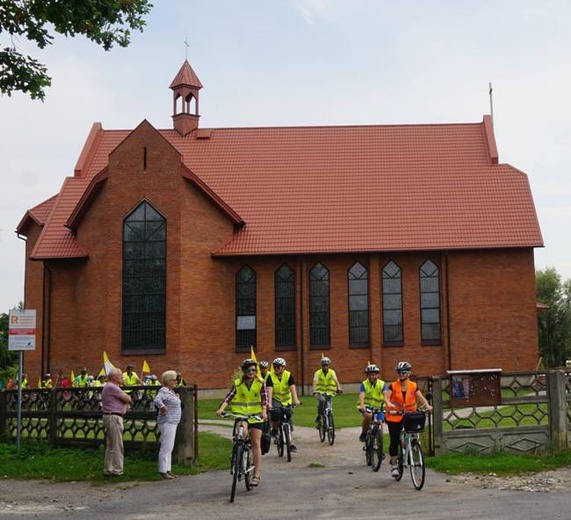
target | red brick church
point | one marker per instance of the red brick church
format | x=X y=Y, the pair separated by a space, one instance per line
x=185 y=246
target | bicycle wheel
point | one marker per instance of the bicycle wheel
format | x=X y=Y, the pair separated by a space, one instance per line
x=368 y=448
x=322 y=427
x=417 y=471
x=235 y=469
x=331 y=429
x=376 y=449
x=287 y=440
x=280 y=441
x=400 y=462
x=247 y=466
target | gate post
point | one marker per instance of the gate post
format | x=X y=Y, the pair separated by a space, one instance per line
x=557 y=409
x=437 y=415
x=185 y=452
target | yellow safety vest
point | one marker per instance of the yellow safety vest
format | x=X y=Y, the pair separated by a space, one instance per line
x=248 y=400
x=281 y=392
x=81 y=381
x=374 y=394
x=129 y=380
x=325 y=382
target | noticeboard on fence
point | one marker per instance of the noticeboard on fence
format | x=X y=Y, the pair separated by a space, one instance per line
x=475 y=387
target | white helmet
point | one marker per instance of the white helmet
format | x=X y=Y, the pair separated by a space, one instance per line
x=404 y=365
x=279 y=361
x=325 y=361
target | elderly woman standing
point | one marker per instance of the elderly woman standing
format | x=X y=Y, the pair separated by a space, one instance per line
x=167 y=403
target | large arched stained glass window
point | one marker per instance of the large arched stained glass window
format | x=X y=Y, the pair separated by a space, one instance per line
x=358 y=281
x=392 y=305
x=245 y=309
x=144 y=280
x=319 y=328
x=430 y=303
x=284 y=295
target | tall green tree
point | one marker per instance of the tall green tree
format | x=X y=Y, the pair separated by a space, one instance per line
x=555 y=321
x=8 y=359
x=105 y=22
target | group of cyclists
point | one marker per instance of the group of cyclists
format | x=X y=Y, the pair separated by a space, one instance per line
x=260 y=393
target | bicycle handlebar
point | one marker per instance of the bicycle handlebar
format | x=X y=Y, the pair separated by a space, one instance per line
x=245 y=417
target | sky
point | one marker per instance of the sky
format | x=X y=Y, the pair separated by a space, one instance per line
x=306 y=62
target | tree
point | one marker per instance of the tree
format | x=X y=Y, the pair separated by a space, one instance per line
x=105 y=22
x=554 y=322
x=8 y=359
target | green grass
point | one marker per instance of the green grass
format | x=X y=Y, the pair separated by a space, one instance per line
x=37 y=460
x=498 y=463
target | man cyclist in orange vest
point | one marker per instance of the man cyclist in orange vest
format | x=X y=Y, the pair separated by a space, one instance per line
x=401 y=396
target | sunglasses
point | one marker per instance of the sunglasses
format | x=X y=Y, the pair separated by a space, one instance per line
x=276 y=367
x=251 y=371
x=403 y=371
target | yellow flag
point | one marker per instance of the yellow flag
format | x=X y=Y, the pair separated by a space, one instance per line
x=322 y=355
x=146 y=367
x=253 y=356
x=106 y=363
x=72 y=377
x=40 y=383
x=101 y=372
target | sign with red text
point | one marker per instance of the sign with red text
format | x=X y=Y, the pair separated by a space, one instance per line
x=22 y=330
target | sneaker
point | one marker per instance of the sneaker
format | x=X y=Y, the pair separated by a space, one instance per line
x=293 y=449
x=363 y=437
x=274 y=432
x=394 y=471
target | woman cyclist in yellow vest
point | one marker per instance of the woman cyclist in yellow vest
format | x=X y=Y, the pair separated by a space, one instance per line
x=371 y=394
x=401 y=395
x=281 y=392
x=248 y=395
x=324 y=382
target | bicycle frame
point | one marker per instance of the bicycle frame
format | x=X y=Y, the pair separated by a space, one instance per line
x=284 y=427
x=326 y=423
x=240 y=462
x=411 y=457
x=374 y=441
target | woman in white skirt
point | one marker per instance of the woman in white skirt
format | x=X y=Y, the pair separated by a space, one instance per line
x=167 y=403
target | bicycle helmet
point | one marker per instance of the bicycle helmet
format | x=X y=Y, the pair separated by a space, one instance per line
x=372 y=369
x=279 y=361
x=325 y=361
x=264 y=364
x=248 y=362
x=404 y=365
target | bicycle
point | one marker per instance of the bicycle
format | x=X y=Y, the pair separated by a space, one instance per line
x=410 y=451
x=284 y=428
x=373 y=446
x=241 y=466
x=325 y=421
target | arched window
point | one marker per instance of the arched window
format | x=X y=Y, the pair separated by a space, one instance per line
x=319 y=329
x=430 y=303
x=245 y=309
x=284 y=295
x=144 y=280
x=392 y=305
x=358 y=282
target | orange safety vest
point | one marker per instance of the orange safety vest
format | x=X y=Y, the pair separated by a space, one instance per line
x=409 y=403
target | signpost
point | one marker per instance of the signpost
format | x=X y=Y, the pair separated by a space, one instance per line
x=21 y=337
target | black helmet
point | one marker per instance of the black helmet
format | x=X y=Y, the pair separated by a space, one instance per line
x=248 y=363
x=404 y=365
x=325 y=361
x=129 y=366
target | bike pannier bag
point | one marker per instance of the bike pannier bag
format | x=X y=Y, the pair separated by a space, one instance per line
x=414 y=421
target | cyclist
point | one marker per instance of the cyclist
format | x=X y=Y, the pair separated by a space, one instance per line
x=130 y=378
x=264 y=367
x=248 y=395
x=324 y=382
x=281 y=392
x=82 y=380
x=401 y=395
x=370 y=394
x=47 y=381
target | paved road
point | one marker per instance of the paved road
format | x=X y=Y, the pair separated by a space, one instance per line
x=322 y=482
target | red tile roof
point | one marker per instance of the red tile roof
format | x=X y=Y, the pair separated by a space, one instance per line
x=340 y=188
